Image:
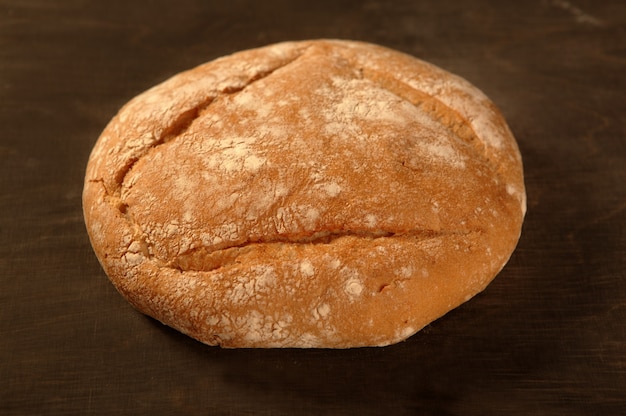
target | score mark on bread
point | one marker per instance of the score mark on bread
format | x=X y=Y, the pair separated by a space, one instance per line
x=325 y=193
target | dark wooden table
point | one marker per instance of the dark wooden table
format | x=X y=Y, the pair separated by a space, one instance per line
x=548 y=337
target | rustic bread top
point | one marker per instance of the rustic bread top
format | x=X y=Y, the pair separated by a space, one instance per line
x=306 y=194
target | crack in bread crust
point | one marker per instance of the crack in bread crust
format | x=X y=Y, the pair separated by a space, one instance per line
x=203 y=259
x=185 y=120
x=173 y=131
x=444 y=114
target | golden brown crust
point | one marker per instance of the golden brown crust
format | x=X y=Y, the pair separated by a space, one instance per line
x=307 y=194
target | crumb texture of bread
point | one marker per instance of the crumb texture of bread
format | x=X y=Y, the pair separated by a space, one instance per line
x=325 y=193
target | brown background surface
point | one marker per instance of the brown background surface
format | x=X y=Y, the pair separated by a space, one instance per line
x=548 y=337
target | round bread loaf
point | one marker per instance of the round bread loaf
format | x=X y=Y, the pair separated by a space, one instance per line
x=324 y=193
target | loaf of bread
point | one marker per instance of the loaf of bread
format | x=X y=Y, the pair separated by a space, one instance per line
x=328 y=194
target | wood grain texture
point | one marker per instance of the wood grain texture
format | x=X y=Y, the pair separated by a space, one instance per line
x=547 y=337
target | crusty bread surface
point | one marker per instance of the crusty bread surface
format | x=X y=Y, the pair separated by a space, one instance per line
x=325 y=193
